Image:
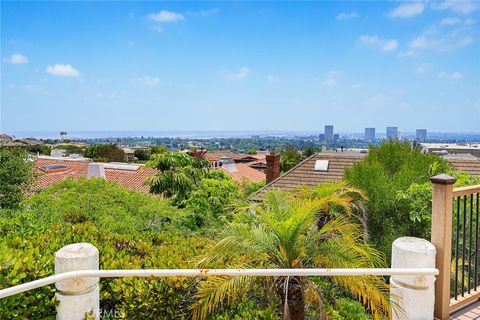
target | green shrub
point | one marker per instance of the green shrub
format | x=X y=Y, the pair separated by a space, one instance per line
x=389 y=168
x=349 y=309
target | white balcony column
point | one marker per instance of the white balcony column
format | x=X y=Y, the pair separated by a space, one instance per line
x=78 y=296
x=412 y=297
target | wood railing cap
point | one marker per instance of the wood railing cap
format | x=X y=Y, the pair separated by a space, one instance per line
x=443 y=179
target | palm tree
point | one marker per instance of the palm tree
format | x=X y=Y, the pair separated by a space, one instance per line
x=336 y=198
x=177 y=174
x=284 y=235
x=62 y=135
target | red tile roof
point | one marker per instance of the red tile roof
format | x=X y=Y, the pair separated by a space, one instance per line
x=77 y=169
x=245 y=172
x=217 y=154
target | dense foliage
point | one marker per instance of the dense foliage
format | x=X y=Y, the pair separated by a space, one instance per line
x=388 y=169
x=16 y=175
x=289 y=158
x=177 y=174
x=105 y=153
x=130 y=229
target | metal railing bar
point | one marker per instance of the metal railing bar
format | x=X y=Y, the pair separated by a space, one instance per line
x=457 y=237
x=464 y=236
x=215 y=272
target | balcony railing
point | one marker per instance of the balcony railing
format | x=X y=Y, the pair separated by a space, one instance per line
x=455 y=234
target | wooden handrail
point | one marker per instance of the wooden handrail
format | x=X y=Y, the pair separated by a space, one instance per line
x=463 y=191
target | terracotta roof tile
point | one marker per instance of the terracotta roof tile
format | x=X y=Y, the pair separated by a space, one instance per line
x=77 y=169
x=245 y=172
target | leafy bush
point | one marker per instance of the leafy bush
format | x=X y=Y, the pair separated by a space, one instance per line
x=142 y=154
x=213 y=200
x=389 y=168
x=105 y=153
x=106 y=205
x=16 y=176
x=349 y=309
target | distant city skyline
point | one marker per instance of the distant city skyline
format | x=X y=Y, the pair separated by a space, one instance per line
x=251 y=66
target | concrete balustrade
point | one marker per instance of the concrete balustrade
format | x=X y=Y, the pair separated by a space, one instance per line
x=415 y=295
x=413 y=277
x=77 y=296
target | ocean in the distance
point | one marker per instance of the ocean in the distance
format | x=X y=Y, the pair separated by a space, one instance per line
x=154 y=133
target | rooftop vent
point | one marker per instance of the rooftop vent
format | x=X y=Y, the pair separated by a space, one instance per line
x=321 y=165
x=53 y=167
x=96 y=170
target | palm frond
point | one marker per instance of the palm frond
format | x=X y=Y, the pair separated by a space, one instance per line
x=214 y=291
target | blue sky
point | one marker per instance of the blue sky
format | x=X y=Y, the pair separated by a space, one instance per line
x=240 y=65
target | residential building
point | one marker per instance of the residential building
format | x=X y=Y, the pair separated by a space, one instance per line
x=369 y=134
x=330 y=166
x=452 y=148
x=129 y=154
x=421 y=135
x=53 y=170
x=392 y=133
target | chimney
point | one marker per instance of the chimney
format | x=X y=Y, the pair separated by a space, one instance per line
x=273 y=167
x=96 y=170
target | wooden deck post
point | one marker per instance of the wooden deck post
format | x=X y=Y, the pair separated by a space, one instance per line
x=442 y=202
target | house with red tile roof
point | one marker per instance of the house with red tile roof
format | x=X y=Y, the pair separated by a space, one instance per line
x=52 y=170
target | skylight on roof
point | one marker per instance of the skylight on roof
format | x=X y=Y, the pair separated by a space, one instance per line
x=321 y=165
x=50 y=167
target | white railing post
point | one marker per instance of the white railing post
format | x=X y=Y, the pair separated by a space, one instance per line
x=78 y=296
x=413 y=298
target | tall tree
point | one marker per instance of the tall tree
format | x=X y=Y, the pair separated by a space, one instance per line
x=177 y=174
x=285 y=236
x=387 y=170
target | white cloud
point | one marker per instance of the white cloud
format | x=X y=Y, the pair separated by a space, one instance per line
x=356 y=86
x=407 y=10
x=439 y=37
x=17 y=58
x=35 y=89
x=209 y=12
x=272 y=78
x=469 y=21
x=166 y=16
x=422 y=68
x=347 y=15
x=242 y=73
x=331 y=78
x=149 y=81
x=329 y=82
x=418 y=43
x=65 y=70
x=376 y=42
x=450 y=21
x=390 y=45
x=462 y=7
x=454 y=76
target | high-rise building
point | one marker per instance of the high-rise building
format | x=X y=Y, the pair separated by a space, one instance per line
x=392 y=133
x=369 y=134
x=321 y=137
x=421 y=135
x=329 y=133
